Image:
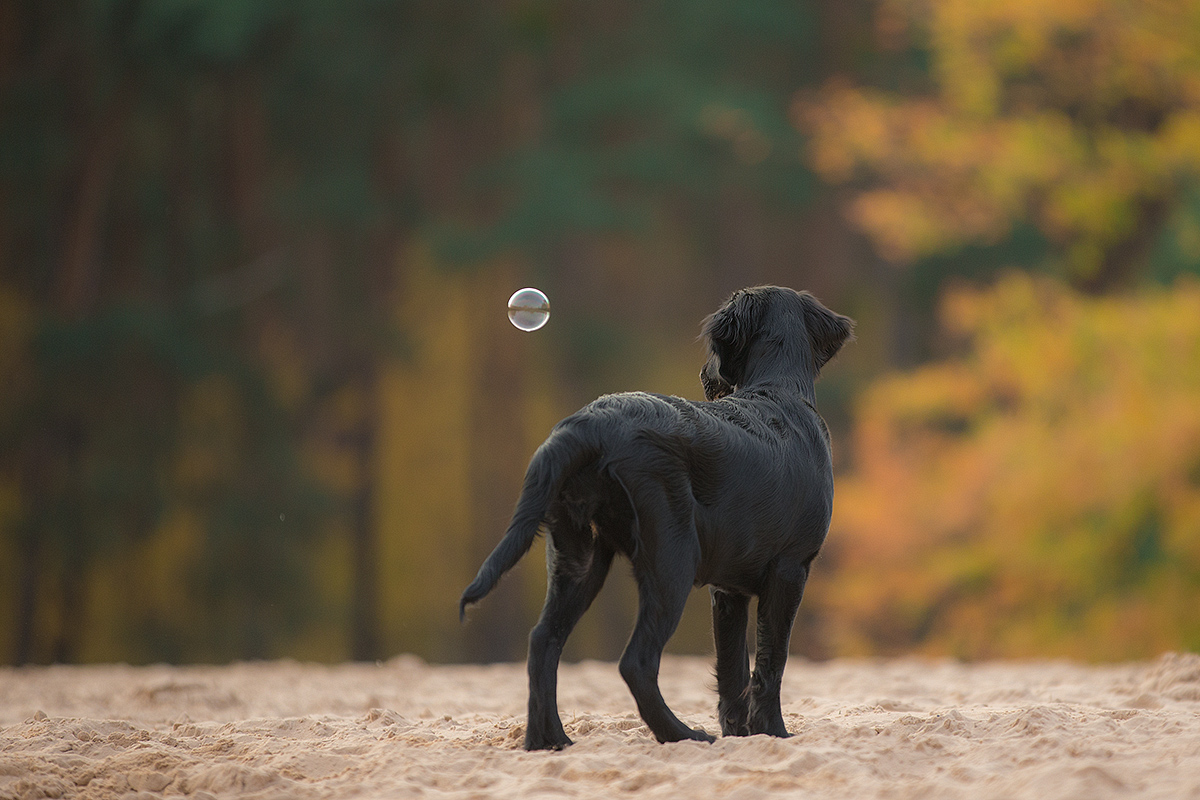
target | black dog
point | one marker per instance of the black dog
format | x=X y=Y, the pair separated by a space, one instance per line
x=735 y=493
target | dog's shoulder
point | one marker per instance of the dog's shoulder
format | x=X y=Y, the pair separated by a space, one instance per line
x=639 y=403
x=770 y=417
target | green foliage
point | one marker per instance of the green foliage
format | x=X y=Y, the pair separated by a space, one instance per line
x=684 y=109
x=1177 y=248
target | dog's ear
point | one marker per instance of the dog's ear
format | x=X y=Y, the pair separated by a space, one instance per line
x=728 y=332
x=827 y=330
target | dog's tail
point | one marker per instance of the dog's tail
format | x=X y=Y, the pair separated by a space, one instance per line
x=559 y=457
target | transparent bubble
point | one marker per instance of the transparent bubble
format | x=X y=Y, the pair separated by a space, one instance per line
x=528 y=309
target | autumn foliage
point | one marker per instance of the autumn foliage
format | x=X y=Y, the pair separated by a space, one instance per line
x=1080 y=117
x=1037 y=492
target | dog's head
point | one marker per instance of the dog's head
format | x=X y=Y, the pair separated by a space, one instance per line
x=766 y=331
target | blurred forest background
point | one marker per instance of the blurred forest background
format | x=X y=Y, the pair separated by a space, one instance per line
x=259 y=396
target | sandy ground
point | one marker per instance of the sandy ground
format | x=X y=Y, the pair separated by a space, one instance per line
x=863 y=729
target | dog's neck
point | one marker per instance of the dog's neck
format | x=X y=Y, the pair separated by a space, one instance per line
x=783 y=369
x=776 y=385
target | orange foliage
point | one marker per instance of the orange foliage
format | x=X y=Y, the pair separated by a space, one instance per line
x=1038 y=494
x=1080 y=116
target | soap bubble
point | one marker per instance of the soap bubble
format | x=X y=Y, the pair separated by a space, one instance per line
x=528 y=309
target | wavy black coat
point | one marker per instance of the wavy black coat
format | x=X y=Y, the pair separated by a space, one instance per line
x=734 y=492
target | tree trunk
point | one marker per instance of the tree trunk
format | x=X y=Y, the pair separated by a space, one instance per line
x=364 y=627
x=75 y=282
x=54 y=451
x=28 y=581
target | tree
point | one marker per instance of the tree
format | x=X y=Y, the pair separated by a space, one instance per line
x=146 y=237
x=213 y=218
x=1079 y=118
x=649 y=168
x=1038 y=493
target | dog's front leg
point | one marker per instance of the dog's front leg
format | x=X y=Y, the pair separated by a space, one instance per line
x=729 y=613
x=777 y=608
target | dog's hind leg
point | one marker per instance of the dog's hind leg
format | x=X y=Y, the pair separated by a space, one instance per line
x=777 y=607
x=729 y=614
x=659 y=610
x=665 y=569
x=577 y=567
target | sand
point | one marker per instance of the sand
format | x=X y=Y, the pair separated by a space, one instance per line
x=863 y=729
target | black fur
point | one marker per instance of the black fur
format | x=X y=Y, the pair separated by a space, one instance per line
x=735 y=492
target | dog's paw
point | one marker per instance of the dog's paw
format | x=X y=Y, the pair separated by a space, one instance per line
x=767 y=720
x=685 y=734
x=775 y=729
x=547 y=742
x=735 y=727
x=734 y=718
